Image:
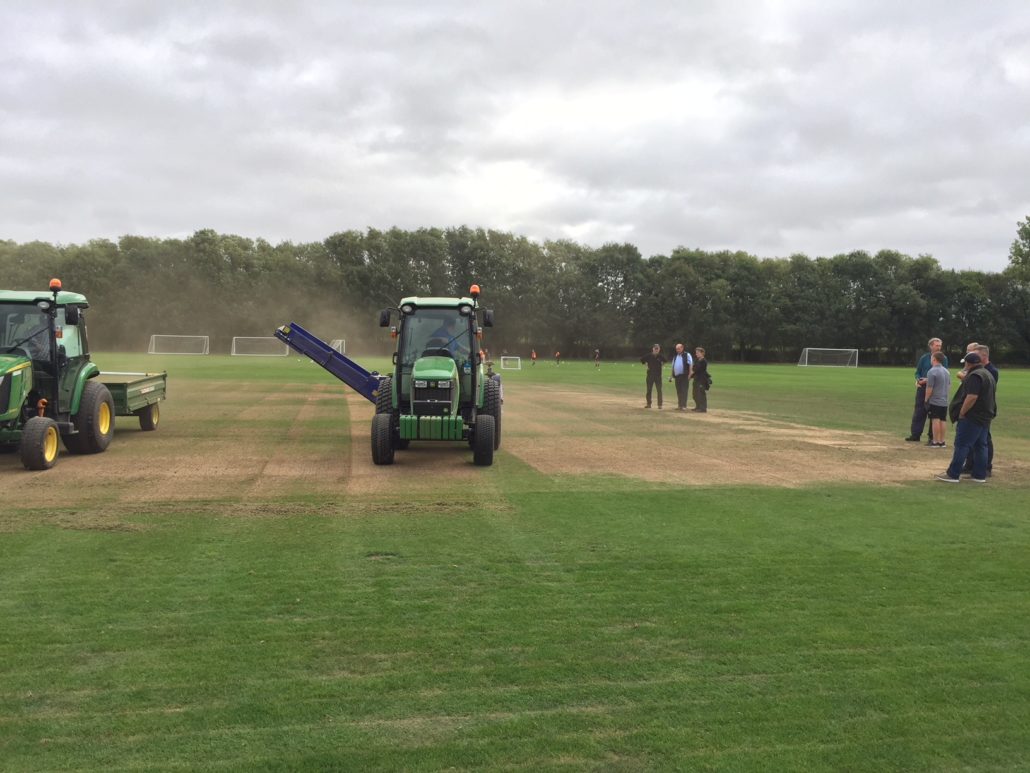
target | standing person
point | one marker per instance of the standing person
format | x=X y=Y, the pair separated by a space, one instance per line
x=971 y=409
x=597 y=358
x=985 y=356
x=702 y=381
x=654 y=362
x=919 y=412
x=557 y=357
x=532 y=357
x=682 y=368
x=938 y=385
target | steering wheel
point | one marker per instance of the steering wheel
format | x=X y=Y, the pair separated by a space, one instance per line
x=437 y=351
x=15 y=350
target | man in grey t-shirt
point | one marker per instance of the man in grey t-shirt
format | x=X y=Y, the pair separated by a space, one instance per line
x=938 y=384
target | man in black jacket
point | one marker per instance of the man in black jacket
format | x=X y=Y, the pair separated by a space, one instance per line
x=972 y=409
x=701 y=381
x=654 y=362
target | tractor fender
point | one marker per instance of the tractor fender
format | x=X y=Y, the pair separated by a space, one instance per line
x=89 y=370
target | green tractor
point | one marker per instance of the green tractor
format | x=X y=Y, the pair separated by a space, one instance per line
x=49 y=388
x=438 y=389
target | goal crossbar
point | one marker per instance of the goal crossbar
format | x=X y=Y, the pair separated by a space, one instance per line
x=177 y=344
x=830 y=358
x=258 y=346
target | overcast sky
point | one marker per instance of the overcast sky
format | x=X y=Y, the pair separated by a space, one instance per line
x=771 y=127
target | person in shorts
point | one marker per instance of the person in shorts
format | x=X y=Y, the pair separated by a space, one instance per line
x=938 y=385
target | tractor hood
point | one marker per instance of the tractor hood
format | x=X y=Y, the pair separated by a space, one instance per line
x=435 y=368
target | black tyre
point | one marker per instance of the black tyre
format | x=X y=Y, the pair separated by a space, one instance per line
x=384 y=398
x=94 y=421
x=483 y=441
x=384 y=404
x=40 y=441
x=382 y=438
x=492 y=405
x=149 y=417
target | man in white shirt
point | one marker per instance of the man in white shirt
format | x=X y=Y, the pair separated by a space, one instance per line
x=682 y=369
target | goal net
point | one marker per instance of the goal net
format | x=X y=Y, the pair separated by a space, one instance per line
x=339 y=345
x=841 y=358
x=511 y=363
x=258 y=346
x=169 y=344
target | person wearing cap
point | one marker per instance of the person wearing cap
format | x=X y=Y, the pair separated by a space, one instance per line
x=985 y=356
x=919 y=412
x=654 y=361
x=971 y=409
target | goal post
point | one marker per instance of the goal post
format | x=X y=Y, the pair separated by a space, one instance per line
x=175 y=344
x=834 y=358
x=511 y=363
x=258 y=346
x=339 y=345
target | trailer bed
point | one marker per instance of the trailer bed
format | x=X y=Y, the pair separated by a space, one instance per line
x=132 y=392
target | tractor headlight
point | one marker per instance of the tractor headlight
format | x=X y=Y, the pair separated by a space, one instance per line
x=408 y=308
x=419 y=384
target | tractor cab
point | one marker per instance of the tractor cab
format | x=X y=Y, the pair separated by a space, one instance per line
x=43 y=338
x=437 y=356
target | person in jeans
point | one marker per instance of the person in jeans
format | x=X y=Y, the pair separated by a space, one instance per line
x=654 y=362
x=938 y=384
x=971 y=409
x=919 y=412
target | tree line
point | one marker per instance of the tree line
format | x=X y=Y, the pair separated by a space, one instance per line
x=555 y=295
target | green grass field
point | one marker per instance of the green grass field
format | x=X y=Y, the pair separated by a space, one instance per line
x=510 y=618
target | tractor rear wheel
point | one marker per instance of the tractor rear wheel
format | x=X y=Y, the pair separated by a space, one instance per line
x=382 y=439
x=39 y=443
x=149 y=417
x=492 y=405
x=483 y=441
x=94 y=421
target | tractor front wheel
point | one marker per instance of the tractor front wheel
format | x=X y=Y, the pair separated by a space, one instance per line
x=94 y=421
x=492 y=405
x=382 y=438
x=39 y=443
x=149 y=417
x=384 y=404
x=483 y=441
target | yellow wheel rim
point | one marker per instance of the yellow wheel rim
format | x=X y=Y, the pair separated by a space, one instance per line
x=104 y=419
x=155 y=414
x=50 y=444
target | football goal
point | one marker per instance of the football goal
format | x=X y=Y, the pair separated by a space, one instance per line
x=840 y=358
x=258 y=346
x=169 y=344
x=511 y=363
x=339 y=345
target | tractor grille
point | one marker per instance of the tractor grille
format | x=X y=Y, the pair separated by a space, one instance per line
x=431 y=401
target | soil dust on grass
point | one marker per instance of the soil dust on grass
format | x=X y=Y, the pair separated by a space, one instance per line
x=239 y=444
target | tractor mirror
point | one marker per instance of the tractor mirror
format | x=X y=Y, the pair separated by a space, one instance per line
x=488 y=317
x=384 y=318
x=71 y=315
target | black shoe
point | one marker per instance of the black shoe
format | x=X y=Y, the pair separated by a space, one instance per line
x=912 y=439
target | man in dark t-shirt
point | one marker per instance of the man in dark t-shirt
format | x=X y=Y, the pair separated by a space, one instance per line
x=972 y=409
x=654 y=362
